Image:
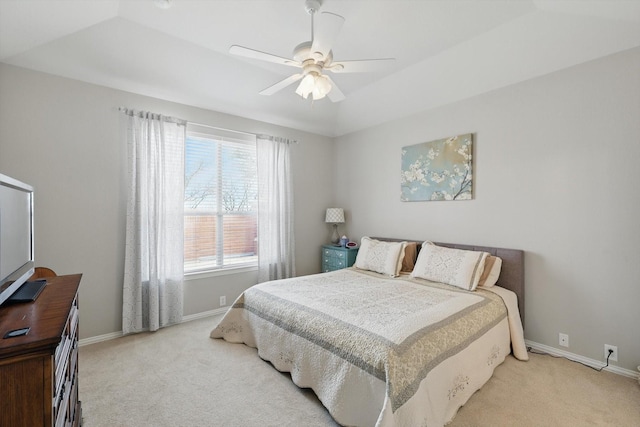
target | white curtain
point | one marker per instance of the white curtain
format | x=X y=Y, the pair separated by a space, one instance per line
x=154 y=256
x=276 y=246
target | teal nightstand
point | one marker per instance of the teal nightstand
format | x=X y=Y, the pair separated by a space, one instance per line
x=337 y=257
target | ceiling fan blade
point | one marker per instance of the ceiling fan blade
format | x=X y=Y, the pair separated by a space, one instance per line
x=325 y=34
x=263 y=56
x=335 y=94
x=281 y=84
x=359 y=66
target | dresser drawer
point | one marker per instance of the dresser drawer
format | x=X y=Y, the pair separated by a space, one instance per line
x=41 y=372
x=336 y=257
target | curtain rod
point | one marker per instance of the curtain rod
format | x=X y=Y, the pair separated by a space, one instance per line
x=259 y=135
x=132 y=112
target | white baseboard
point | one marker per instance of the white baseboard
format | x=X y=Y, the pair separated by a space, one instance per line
x=577 y=358
x=114 y=335
x=221 y=310
x=99 y=338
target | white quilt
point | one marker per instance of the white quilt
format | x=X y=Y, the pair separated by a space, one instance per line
x=377 y=351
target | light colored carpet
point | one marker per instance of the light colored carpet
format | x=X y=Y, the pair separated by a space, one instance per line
x=178 y=376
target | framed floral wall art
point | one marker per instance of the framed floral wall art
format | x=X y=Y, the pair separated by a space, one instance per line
x=438 y=170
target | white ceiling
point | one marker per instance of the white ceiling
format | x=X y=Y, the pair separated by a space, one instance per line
x=445 y=50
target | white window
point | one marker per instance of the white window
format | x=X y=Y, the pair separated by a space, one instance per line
x=220 y=200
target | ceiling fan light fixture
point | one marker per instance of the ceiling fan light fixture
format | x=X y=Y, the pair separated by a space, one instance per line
x=316 y=85
x=314 y=57
x=322 y=87
x=306 y=86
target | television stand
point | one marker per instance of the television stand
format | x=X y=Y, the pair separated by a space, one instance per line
x=39 y=370
x=28 y=292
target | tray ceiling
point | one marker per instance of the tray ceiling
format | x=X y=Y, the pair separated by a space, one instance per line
x=445 y=50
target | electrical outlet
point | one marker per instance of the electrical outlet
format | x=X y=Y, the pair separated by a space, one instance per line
x=614 y=355
x=563 y=340
x=223 y=301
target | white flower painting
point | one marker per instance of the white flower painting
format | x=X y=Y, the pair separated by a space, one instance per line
x=437 y=170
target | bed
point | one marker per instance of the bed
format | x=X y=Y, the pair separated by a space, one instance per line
x=383 y=349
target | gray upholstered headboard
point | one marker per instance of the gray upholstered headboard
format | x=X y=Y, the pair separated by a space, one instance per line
x=511 y=274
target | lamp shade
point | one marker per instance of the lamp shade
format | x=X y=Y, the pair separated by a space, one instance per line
x=335 y=216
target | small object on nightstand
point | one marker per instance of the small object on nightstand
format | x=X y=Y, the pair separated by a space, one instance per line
x=337 y=257
x=343 y=241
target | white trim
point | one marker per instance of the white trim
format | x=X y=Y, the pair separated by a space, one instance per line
x=114 y=335
x=99 y=338
x=195 y=275
x=202 y=315
x=577 y=358
x=257 y=135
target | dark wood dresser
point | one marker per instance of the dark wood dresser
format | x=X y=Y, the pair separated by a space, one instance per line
x=39 y=371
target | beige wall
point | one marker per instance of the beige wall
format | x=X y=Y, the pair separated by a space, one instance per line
x=556 y=174
x=63 y=137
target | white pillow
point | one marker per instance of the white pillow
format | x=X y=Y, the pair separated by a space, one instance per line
x=381 y=257
x=492 y=267
x=455 y=267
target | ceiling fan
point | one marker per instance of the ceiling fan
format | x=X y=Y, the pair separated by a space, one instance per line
x=314 y=58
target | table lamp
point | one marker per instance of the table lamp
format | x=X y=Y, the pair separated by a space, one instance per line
x=335 y=216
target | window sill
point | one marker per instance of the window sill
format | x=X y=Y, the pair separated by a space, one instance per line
x=220 y=272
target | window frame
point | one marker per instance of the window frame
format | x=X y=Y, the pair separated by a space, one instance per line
x=222 y=138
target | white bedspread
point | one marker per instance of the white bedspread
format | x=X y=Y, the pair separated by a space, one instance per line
x=377 y=351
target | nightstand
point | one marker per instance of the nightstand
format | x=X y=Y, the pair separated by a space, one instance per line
x=337 y=257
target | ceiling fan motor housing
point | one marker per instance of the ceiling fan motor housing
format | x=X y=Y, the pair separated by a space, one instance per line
x=302 y=52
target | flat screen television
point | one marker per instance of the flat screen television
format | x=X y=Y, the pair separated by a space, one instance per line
x=16 y=235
